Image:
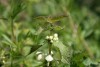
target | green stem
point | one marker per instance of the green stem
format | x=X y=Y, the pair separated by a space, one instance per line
x=12 y=30
x=50 y=46
x=13 y=39
x=49 y=50
x=11 y=57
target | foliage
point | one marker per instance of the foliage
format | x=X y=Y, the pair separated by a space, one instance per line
x=24 y=25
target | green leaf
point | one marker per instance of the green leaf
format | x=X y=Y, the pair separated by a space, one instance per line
x=34 y=48
x=66 y=52
x=78 y=59
x=16 y=7
x=57 y=54
x=51 y=19
x=8 y=41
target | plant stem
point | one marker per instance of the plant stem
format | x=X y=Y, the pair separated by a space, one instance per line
x=50 y=46
x=11 y=57
x=13 y=39
x=12 y=30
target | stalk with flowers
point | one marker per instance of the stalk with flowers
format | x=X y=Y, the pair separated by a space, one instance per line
x=53 y=42
x=51 y=39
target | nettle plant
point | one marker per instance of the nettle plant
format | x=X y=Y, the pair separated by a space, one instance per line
x=48 y=43
x=57 y=54
x=53 y=51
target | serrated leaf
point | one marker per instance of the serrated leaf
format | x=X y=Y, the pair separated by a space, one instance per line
x=66 y=52
x=57 y=54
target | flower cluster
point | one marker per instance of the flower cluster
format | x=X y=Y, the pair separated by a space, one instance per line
x=52 y=38
x=49 y=58
x=40 y=56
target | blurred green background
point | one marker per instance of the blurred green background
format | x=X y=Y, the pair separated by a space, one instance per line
x=79 y=32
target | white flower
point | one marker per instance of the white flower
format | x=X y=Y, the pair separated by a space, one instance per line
x=39 y=57
x=51 y=52
x=51 y=41
x=51 y=37
x=4 y=61
x=47 y=37
x=55 y=35
x=49 y=58
x=56 y=38
x=38 y=52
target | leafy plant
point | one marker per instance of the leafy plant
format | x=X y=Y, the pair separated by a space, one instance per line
x=48 y=33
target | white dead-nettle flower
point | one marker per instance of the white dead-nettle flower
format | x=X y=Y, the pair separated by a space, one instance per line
x=47 y=37
x=51 y=41
x=4 y=61
x=40 y=57
x=55 y=35
x=38 y=52
x=51 y=52
x=55 y=39
x=52 y=38
x=49 y=58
